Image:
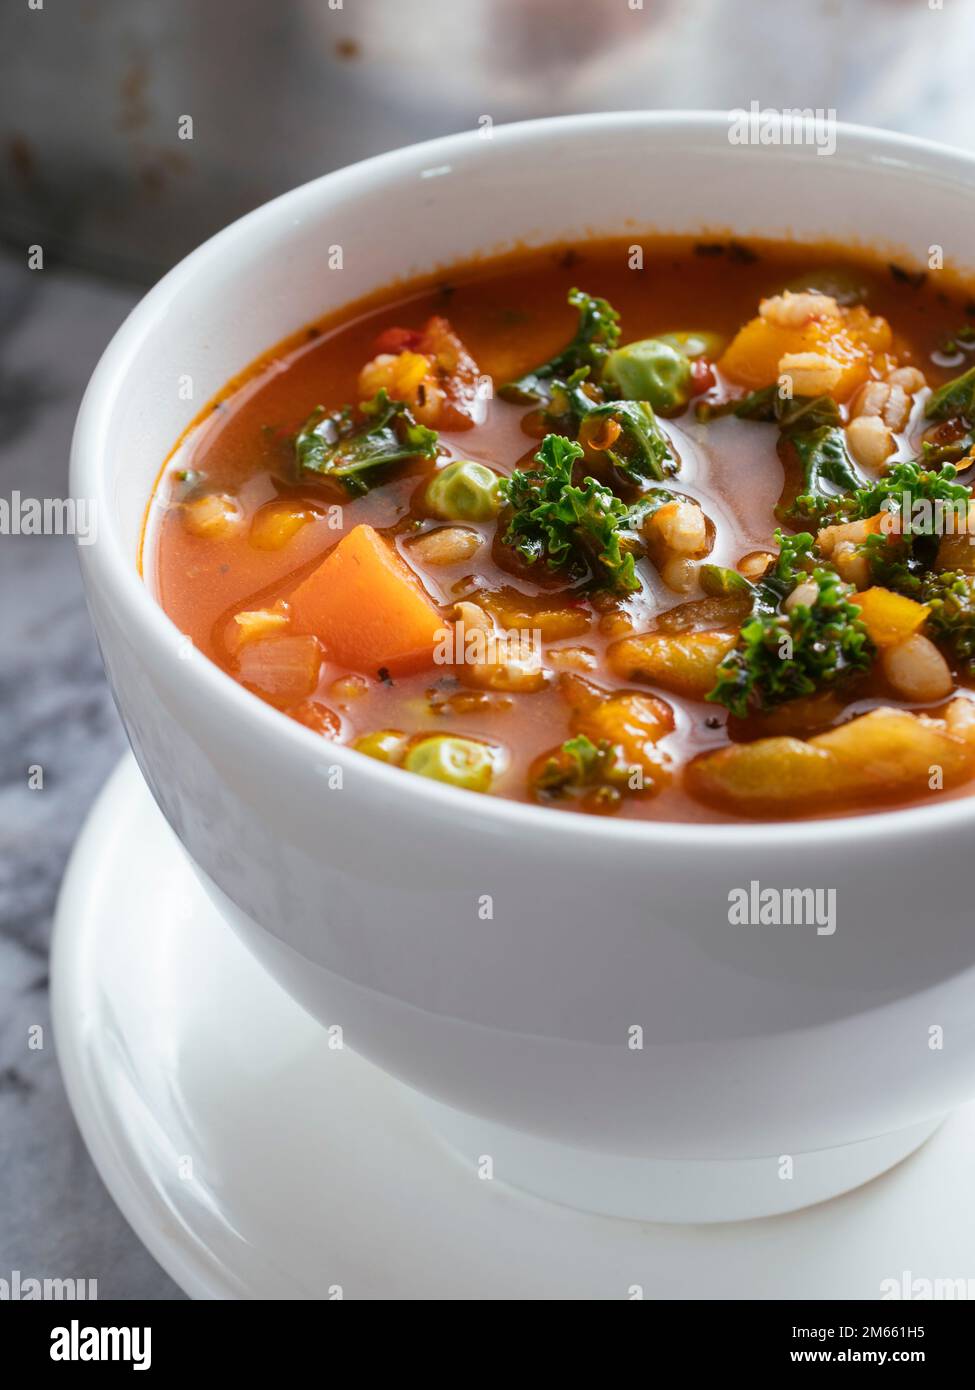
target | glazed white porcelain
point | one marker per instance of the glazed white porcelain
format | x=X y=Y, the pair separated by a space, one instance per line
x=192 y=1076
x=496 y=956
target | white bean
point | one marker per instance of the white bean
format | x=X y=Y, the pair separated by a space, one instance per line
x=805 y=593
x=790 y=310
x=810 y=373
x=870 y=441
x=682 y=527
x=909 y=379
x=917 y=670
x=679 y=574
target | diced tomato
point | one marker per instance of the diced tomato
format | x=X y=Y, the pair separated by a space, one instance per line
x=457 y=371
x=319 y=718
x=702 y=377
x=398 y=340
x=445 y=393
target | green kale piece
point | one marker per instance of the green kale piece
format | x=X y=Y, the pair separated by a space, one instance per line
x=812 y=425
x=911 y=491
x=577 y=763
x=718 y=582
x=583 y=530
x=954 y=400
x=893 y=564
x=783 y=656
x=829 y=475
x=580 y=768
x=333 y=444
x=595 y=338
x=768 y=405
x=951 y=622
x=641 y=451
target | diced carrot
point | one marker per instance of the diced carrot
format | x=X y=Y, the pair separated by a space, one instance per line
x=629 y=719
x=367 y=607
x=888 y=617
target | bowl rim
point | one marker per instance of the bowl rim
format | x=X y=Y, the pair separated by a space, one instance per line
x=864 y=144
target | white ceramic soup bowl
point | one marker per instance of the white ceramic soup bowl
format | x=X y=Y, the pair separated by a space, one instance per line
x=567 y=992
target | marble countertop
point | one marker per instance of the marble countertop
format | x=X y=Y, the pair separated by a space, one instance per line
x=56 y=1218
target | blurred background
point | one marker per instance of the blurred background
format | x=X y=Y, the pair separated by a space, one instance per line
x=130 y=130
x=92 y=93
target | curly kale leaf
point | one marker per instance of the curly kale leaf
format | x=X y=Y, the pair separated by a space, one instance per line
x=583 y=530
x=949 y=451
x=922 y=498
x=922 y=505
x=782 y=655
x=951 y=621
x=893 y=564
x=626 y=433
x=813 y=427
x=595 y=338
x=332 y=444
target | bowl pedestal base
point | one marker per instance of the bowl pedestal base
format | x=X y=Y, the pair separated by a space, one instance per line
x=256 y=1161
x=671 y=1190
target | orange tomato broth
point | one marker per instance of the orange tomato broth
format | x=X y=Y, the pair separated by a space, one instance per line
x=511 y=314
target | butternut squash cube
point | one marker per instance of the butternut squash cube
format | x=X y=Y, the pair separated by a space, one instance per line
x=896 y=752
x=684 y=662
x=888 y=617
x=884 y=754
x=849 y=336
x=784 y=774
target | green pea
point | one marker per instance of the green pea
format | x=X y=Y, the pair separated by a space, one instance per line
x=387 y=745
x=460 y=762
x=650 y=370
x=842 y=285
x=464 y=491
x=694 y=344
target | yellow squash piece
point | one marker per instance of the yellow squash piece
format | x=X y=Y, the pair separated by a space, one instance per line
x=884 y=754
x=684 y=662
x=632 y=721
x=888 y=617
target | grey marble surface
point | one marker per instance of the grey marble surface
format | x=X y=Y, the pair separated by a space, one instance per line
x=56 y=1218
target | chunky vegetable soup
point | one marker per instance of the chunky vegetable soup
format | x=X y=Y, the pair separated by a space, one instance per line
x=684 y=541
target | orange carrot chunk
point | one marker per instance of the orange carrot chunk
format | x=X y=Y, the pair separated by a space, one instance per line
x=367 y=608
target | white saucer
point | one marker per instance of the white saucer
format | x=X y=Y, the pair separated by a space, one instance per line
x=256 y=1161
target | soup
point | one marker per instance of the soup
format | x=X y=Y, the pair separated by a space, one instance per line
x=677 y=532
